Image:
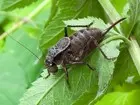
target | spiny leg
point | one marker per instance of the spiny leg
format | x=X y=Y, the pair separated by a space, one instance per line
x=85 y=64
x=66 y=73
x=66 y=27
x=96 y=43
x=47 y=75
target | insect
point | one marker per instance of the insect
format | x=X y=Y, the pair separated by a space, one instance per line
x=73 y=49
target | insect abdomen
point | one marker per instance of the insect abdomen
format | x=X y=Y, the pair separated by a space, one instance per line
x=82 y=42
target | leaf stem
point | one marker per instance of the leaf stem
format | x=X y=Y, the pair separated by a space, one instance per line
x=116 y=38
x=25 y=20
x=134 y=50
x=111 y=12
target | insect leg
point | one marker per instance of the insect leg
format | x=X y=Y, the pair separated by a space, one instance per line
x=47 y=75
x=65 y=31
x=83 y=63
x=65 y=28
x=66 y=72
x=96 y=43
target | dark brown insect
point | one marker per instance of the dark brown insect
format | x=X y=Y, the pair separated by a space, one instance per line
x=73 y=49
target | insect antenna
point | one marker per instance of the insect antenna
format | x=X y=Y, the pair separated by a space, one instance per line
x=24 y=46
x=108 y=29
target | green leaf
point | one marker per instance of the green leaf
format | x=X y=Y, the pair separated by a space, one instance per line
x=136 y=32
x=86 y=97
x=67 y=10
x=43 y=90
x=19 y=68
x=121 y=98
x=17 y=72
x=134 y=52
x=97 y=22
x=104 y=70
x=133 y=17
x=110 y=10
x=12 y=4
x=12 y=82
x=105 y=75
x=126 y=87
x=119 y=6
x=124 y=69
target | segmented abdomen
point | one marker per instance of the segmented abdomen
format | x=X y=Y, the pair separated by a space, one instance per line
x=82 y=42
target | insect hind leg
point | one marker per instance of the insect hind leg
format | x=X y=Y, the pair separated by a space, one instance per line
x=66 y=27
x=96 y=43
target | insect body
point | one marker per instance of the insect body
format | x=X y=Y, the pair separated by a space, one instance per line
x=73 y=49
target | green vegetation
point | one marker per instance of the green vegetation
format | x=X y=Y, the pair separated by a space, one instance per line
x=39 y=24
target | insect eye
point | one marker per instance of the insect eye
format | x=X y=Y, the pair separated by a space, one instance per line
x=48 y=63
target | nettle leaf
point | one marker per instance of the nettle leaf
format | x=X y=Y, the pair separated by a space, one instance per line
x=133 y=15
x=104 y=74
x=119 y=5
x=86 y=97
x=15 y=50
x=17 y=72
x=67 y=9
x=125 y=70
x=54 y=90
x=136 y=32
x=120 y=98
x=11 y=4
x=11 y=80
x=19 y=68
x=97 y=22
x=106 y=69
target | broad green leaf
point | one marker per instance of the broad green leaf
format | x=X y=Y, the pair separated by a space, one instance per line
x=19 y=68
x=136 y=32
x=104 y=70
x=37 y=22
x=133 y=16
x=125 y=69
x=119 y=6
x=11 y=4
x=121 y=98
x=12 y=83
x=126 y=87
x=17 y=50
x=105 y=74
x=81 y=80
x=55 y=90
x=86 y=97
x=67 y=10
x=97 y=23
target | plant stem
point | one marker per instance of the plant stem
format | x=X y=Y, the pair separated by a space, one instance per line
x=24 y=20
x=134 y=50
x=111 y=12
x=116 y=38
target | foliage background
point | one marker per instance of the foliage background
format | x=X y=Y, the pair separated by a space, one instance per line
x=39 y=24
